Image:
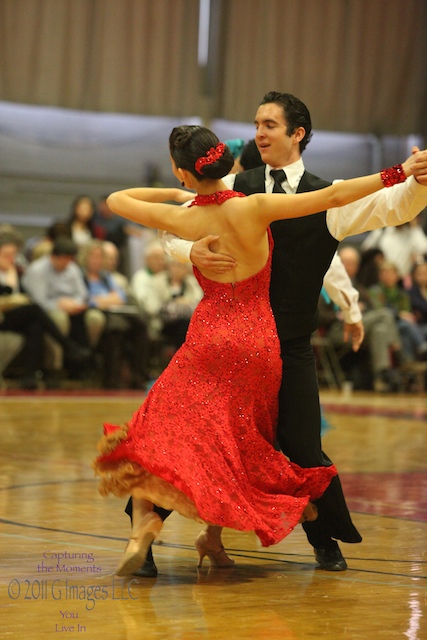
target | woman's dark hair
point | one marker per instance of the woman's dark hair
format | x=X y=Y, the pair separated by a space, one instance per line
x=75 y=203
x=250 y=158
x=367 y=274
x=188 y=143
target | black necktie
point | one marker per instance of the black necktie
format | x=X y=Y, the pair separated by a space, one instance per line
x=278 y=176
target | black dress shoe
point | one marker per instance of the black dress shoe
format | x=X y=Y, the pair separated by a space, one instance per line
x=330 y=559
x=147 y=570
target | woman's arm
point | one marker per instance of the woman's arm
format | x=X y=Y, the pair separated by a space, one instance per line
x=145 y=205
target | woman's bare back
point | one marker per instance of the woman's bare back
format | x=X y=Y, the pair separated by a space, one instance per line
x=240 y=236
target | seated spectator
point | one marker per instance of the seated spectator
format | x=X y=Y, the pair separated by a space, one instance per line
x=400 y=245
x=174 y=294
x=109 y=226
x=167 y=292
x=389 y=294
x=111 y=263
x=141 y=286
x=418 y=295
x=370 y=260
x=56 y=283
x=81 y=220
x=382 y=339
x=37 y=247
x=20 y=315
x=125 y=336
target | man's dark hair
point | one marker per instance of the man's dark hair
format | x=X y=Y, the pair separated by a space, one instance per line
x=295 y=113
x=250 y=158
x=64 y=246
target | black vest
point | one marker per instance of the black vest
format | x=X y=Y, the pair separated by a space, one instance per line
x=303 y=250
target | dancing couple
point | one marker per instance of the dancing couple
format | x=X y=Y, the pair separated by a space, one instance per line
x=202 y=442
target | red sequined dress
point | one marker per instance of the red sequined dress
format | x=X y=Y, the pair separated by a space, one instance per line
x=202 y=442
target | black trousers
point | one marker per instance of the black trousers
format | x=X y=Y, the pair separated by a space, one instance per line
x=298 y=435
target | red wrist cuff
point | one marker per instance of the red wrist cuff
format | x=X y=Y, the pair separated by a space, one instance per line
x=393 y=175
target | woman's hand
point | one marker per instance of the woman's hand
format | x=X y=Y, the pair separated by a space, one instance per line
x=183 y=196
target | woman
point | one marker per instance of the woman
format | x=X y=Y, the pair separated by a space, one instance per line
x=202 y=441
x=81 y=219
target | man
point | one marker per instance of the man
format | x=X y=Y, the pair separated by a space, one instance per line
x=56 y=283
x=302 y=254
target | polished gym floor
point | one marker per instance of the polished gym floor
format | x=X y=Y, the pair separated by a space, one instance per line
x=61 y=541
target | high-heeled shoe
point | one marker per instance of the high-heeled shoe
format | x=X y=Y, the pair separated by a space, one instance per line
x=139 y=543
x=215 y=552
x=310 y=513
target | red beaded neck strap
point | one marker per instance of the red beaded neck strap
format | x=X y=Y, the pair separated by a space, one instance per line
x=393 y=175
x=214 y=154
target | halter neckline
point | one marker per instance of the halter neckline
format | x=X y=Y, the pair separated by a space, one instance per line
x=216 y=198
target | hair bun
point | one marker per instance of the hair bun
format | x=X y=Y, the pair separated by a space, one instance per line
x=184 y=136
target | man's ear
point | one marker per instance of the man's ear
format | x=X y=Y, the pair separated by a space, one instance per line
x=299 y=134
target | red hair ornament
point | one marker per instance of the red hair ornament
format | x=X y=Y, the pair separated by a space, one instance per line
x=214 y=154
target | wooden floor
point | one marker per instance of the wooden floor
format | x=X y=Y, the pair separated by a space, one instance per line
x=61 y=541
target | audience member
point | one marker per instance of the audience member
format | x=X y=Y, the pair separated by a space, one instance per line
x=125 y=336
x=56 y=283
x=401 y=245
x=370 y=260
x=81 y=219
x=111 y=263
x=20 y=315
x=382 y=339
x=250 y=158
x=418 y=294
x=37 y=246
x=109 y=226
x=235 y=145
x=175 y=294
x=141 y=286
x=389 y=294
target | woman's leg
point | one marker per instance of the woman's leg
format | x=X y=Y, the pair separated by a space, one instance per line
x=209 y=543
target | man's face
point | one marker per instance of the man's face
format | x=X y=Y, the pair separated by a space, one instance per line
x=350 y=260
x=95 y=260
x=389 y=276
x=60 y=263
x=420 y=275
x=7 y=256
x=275 y=146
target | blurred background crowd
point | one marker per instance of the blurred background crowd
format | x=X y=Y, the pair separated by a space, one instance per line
x=76 y=310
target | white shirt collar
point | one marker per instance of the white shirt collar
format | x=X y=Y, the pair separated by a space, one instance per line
x=293 y=172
